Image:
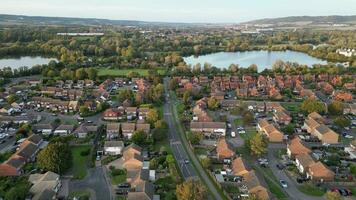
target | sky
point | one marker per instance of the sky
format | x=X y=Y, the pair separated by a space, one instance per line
x=206 y=11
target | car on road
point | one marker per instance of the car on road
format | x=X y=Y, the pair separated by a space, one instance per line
x=349 y=136
x=186 y=161
x=89 y=122
x=283 y=183
x=2 y=141
x=98 y=158
x=124 y=185
x=280 y=166
x=54 y=114
x=233 y=134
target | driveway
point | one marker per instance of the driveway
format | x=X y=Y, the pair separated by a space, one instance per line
x=292 y=189
x=96 y=182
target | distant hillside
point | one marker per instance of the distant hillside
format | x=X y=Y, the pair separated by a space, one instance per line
x=333 y=19
x=39 y=20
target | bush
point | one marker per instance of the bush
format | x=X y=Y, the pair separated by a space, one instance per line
x=85 y=152
x=117 y=172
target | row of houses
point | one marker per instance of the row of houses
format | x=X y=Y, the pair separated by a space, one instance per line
x=270 y=131
x=113 y=130
x=314 y=124
x=26 y=153
x=138 y=174
x=306 y=164
x=114 y=114
x=55 y=104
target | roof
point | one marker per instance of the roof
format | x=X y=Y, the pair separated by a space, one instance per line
x=43 y=185
x=320 y=170
x=201 y=125
x=311 y=123
x=254 y=185
x=133 y=146
x=305 y=160
x=263 y=123
x=316 y=116
x=15 y=161
x=296 y=147
x=239 y=167
x=27 y=151
x=128 y=126
x=223 y=149
x=143 y=191
x=144 y=127
x=113 y=126
x=323 y=129
x=65 y=127
x=42 y=126
x=114 y=144
x=35 y=139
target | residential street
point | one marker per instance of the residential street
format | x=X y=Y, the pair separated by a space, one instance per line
x=96 y=182
x=186 y=153
x=292 y=189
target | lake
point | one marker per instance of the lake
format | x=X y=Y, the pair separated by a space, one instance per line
x=27 y=61
x=263 y=59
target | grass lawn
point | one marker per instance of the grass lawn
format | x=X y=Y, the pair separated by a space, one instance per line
x=238 y=121
x=124 y=72
x=159 y=144
x=250 y=132
x=118 y=179
x=80 y=162
x=200 y=151
x=231 y=189
x=80 y=194
x=311 y=190
x=275 y=189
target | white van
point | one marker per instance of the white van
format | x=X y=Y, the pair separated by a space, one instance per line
x=233 y=134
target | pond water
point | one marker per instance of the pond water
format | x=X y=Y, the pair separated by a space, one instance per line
x=263 y=59
x=27 y=61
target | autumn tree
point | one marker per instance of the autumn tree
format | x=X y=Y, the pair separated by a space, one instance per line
x=173 y=84
x=312 y=105
x=186 y=97
x=330 y=195
x=335 y=108
x=139 y=137
x=56 y=157
x=152 y=116
x=258 y=145
x=213 y=103
x=342 y=122
x=206 y=162
x=191 y=190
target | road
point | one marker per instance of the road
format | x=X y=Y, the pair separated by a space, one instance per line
x=95 y=182
x=292 y=189
x=182 y=152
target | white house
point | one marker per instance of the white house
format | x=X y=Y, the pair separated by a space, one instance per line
x=64 y=130
x=113 y=147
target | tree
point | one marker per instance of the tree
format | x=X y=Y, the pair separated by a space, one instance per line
x=330 y=195
x=80 y=74
x=83 y=110
x=186 y=97
x=289 y=129
x=206 y=162
x=56 y=157
x=157 y=93
x=342 y=122
x=11 y=98
x=159 y=134
x=125 y=95
x=335 y=108
x=312 y=105
x=17 y=193
x=353 y=169
x=160 y=124
x=173 y=84
x=195 y=138
x=139 y=137
x=247 y=118
x=258 y=145
x=191 y=190
x=213 y=103
x=92 y=73
x=152 y=116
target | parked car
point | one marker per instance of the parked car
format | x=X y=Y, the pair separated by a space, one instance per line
x=233 y=134
x=280 y=166
x=186 y=161
x=283 y=183
x=124 y=185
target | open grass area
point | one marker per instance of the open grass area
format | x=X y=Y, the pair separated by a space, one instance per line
x=311 y=190
x=80 y=195
x=275 y=189
x=124 y=72
x=80 y=161
x=238 y=121
x=117 y=179
x=250 y=132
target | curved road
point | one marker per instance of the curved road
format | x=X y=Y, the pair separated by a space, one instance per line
x=181 y=149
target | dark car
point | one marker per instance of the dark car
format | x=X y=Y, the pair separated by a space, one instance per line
x=343 y=192
x=124 y=185
x=121 y=192
x=280 y=166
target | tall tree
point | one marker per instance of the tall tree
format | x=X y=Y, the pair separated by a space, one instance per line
x=191 y=190
x=333 y=196
x=56 y=157
x=335 y=108
x=312 y=105
x=258 y=145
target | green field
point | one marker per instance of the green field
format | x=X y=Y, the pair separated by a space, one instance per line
x=124 y=72
x=311 y=190
x=80 y=162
